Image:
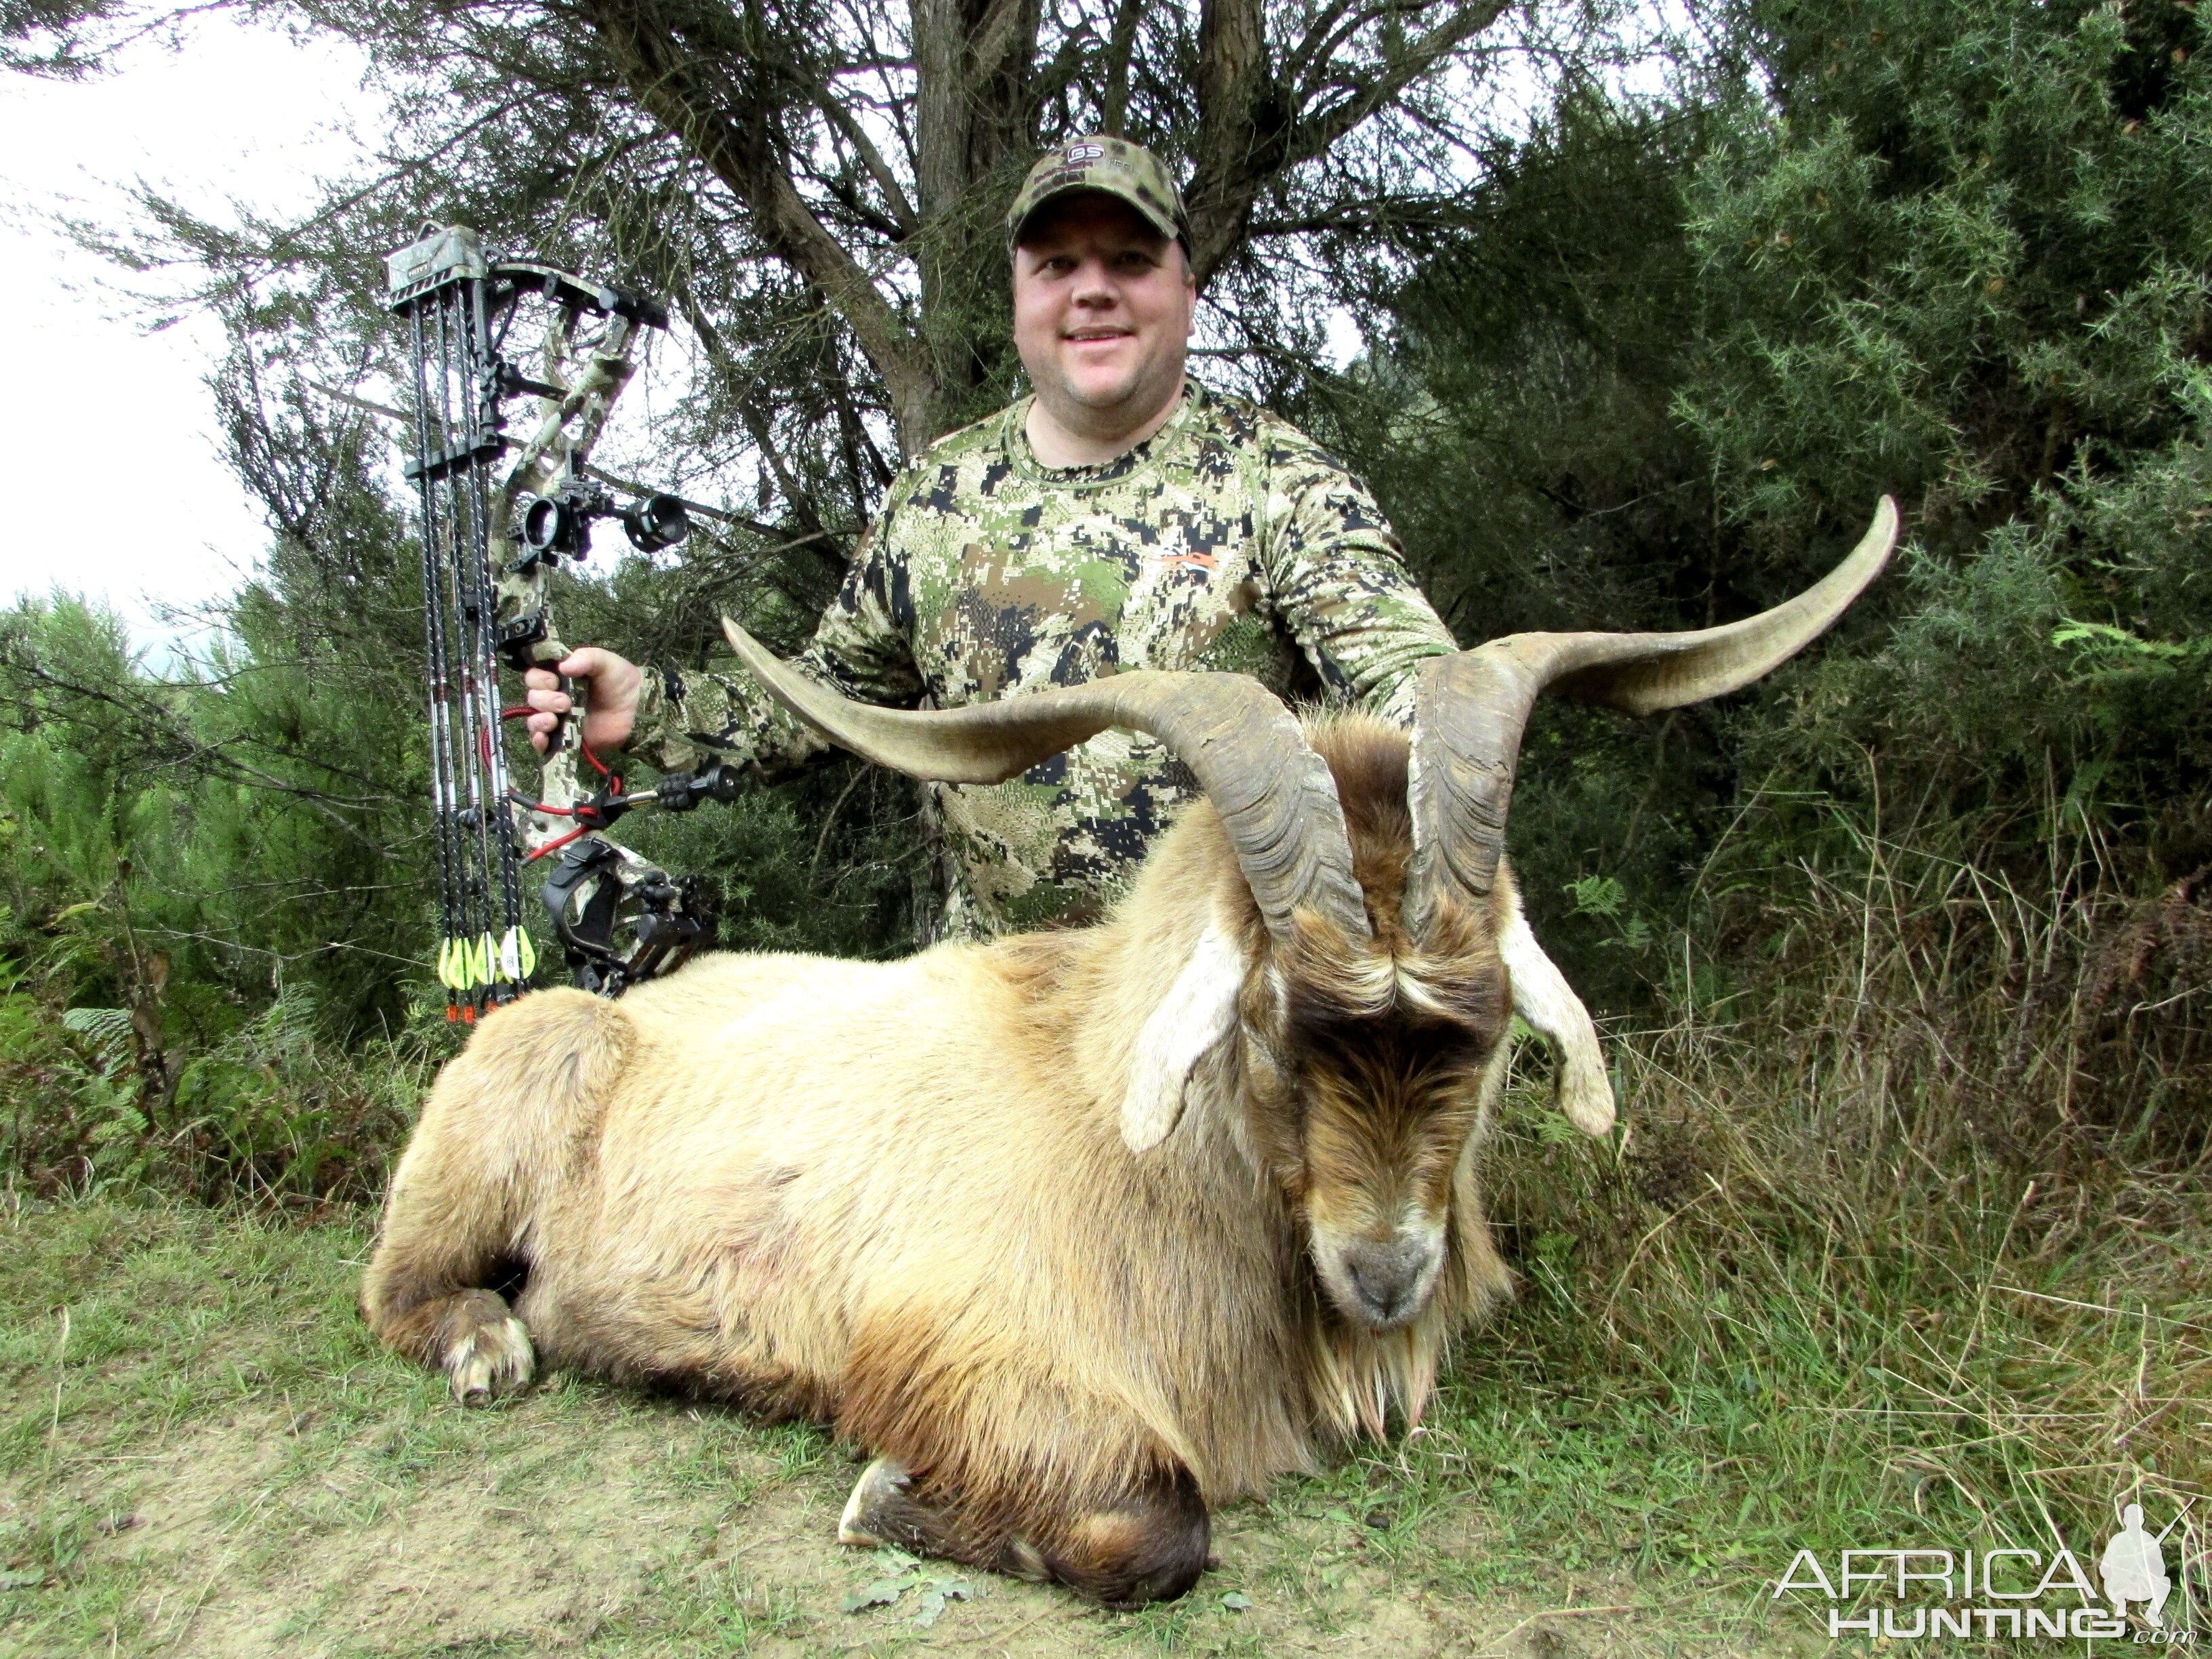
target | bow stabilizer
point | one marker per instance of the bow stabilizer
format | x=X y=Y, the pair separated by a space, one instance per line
x=489 y=544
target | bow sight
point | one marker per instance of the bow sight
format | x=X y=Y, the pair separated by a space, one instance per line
x=561 y=523
x=488 y=546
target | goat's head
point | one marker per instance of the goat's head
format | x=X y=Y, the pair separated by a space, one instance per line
x=1370 y=980
x=1365 y=1059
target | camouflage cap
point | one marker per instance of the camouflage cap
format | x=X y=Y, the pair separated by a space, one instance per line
x=1121 y=169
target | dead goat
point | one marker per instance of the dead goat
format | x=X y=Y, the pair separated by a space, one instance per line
x=1080 y=1232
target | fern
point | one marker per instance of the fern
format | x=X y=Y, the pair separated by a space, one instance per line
x=108 y=1030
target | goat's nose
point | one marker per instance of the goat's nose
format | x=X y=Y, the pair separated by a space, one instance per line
x=1386 y=1276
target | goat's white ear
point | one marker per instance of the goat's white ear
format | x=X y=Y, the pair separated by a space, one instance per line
x=1196 y=1013
x=1542 y=996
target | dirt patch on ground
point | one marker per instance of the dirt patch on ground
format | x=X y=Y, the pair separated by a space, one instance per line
x=249 y=1539
x=445 y=1564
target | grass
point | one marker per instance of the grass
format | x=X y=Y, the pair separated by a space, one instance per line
x=1902 y=1251
x=200 y=1380
x=1889 y=1259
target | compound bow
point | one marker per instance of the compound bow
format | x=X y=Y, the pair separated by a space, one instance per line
x=488 y=545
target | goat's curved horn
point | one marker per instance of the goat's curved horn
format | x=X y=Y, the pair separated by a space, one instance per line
x=1277 y=800
x=1469 y=710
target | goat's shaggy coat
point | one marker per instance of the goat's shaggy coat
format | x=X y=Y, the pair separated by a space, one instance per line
x=903 y=1197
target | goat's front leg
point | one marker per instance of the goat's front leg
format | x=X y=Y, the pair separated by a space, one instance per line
x=430 y=1295
x=500 y=1131
x=1146 y=1544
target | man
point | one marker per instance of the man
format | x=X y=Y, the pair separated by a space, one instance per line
x=1123 y=517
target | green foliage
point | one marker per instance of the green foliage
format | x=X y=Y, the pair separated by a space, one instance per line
x=215 y=902
x=1962 y=255
x=1858 y=1233
x=1604 y=897
x=1516 y=425
x=190 y=866
x=49 y=37
x=1965 y=250
x=1657 y=374
x=224 y=825
x=833 y=864
x=904 y=1572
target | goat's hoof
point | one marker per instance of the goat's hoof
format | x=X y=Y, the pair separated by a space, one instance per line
x=881 y=1480
x=491 y=1360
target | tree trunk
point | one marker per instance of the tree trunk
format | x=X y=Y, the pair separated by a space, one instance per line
x=975 y=134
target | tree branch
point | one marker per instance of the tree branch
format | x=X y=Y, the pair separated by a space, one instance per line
x=1320 y=39
x=801 y=504
x=1238 y=123
x=895 y=205
x=1251 y=129
x=998 y=35
x=1315 y=134
x=1114 y=102
x=739 y=144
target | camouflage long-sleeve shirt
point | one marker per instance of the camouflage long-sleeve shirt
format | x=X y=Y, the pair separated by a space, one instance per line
x=1227 y=540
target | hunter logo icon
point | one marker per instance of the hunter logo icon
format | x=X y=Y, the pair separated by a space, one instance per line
x=2133 y=1567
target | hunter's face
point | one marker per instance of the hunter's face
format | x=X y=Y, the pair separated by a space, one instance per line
x=1102 y=310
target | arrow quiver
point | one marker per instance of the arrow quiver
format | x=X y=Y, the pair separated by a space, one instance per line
x=498 y=514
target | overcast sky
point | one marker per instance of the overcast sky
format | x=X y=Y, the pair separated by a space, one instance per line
x=115 y=487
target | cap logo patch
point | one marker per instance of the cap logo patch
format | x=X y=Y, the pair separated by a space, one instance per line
x=1085 y=152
